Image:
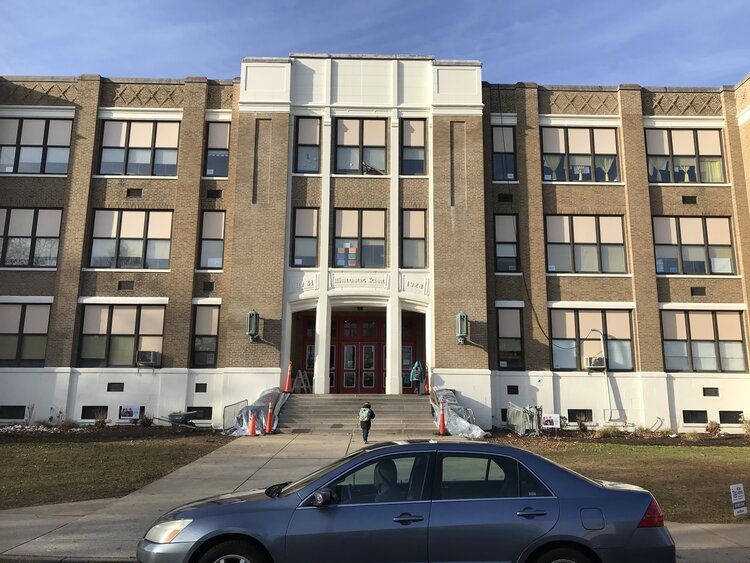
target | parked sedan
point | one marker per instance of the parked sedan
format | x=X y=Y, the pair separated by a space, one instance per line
x=421 y=502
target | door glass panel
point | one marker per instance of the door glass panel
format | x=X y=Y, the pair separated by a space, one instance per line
x=310 y=356
x=350 y=357
x=368 y=379
x=406 y=357
x=368 y=357
x=349 y=379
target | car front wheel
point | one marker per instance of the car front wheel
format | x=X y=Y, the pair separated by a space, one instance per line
x=234 y=551
x=562 y=555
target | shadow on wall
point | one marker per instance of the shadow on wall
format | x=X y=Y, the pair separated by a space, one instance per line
x=270 y=332
x=477 y=335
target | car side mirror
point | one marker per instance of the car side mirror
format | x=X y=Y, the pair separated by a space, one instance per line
x=322 y=497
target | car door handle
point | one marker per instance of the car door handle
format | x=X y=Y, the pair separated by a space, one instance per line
x=530 y=513
x=407 y=518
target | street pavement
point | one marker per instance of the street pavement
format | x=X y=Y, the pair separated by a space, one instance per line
x=108 y=530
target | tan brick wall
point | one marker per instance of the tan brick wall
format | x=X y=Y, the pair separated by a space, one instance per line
x=414 y=193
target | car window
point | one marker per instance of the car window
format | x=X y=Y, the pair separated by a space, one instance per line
x=315 y=475
x=386 y=479
x=530 y=486
x=476 y=476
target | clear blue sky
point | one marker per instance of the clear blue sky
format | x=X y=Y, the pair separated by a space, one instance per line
x=648 y=42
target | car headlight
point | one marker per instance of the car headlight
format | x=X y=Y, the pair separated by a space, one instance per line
x=165 y=532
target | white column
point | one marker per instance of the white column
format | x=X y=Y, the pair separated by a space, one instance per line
x=393 y=350
x=393 y=311
x=322 y=346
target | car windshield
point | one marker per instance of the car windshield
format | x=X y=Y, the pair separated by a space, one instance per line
x=300 y=484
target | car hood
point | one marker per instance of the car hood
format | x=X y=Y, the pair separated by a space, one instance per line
x=208 y=505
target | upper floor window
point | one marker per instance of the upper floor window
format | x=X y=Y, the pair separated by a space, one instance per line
x=579 y=154
x=23 y=334
x=578 y=334
x=112 y=334
x=131 y=239
x=305 y=250
x=359 y=238
x=307 y=154
x=412 y=147
x=585 y=244
x=503 y=153
x=140 y=148
x=703 y=341
x=205 y=336
x=509 y=339
x=506 y=243
x=693 y=245
x=684 y=155
x=34 y=146
x=212 y=241
x=413 y=239
x=217 y=150
x=29 y=238
x=360 y=146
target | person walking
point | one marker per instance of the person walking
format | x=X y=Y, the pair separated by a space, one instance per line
x=365 y=416
x=417 y=377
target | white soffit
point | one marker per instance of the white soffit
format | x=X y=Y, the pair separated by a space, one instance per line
x=591 y=304
x=703 y=306
x=218 y=115
x=123 y=300
x=509 y=304
x=677 y=122
x=44 y=112
x=169 y=114
x=504 y=119
x=206 y=300
x=564 y=120
x=27 y=299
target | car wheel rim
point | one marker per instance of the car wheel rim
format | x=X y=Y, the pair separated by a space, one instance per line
x=232 y=559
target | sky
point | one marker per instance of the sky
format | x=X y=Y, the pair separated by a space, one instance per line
x=604 y=42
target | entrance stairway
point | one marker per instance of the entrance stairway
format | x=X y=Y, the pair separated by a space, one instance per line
x=403 y=415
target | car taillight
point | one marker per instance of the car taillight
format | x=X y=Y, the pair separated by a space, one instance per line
x=654 y=517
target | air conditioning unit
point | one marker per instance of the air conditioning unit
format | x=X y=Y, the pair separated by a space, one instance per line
x=595 y=363
x=148 y=358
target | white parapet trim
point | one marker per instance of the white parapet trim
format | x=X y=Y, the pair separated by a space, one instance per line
x=42 y=112
x=206 y=300
x=143 y=114
x=686 y=122
x=565 y=120
x=27 y=299
x=104 y=300
x=703 y=306
x=591 y=304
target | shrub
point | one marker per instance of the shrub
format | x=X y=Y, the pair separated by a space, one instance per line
x=145 y=421
x=100 y=421
x=607 y=432
x=641 y=432
x=67 y=425
x=582 y=426
x=691 y=437
x=713 y=428
x=746 y=425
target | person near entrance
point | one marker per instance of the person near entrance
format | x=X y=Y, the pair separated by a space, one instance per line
x=417 y=377
x=365 y=416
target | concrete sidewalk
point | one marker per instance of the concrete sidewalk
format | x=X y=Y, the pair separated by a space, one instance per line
x=108 y=530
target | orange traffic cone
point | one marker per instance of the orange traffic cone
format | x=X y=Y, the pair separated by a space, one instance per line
x=288 y=387
x=442 y=431
x=427 y=380
x=251 y=425
x=269 y=418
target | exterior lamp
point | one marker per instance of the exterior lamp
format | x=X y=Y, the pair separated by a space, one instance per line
x=462 y=327
x=252 y=324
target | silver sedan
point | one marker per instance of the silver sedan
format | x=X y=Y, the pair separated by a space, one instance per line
x=421 y=502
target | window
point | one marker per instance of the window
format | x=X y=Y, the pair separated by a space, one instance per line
x=506 y=243
x=360 y=146
x=112 y=334
x=731 y=417
x=413 y=239
x=509 y=339
x=503 y=153
x=359 y=238
x=91 y=412
x=695 y=417
x=212 y=241
x=703 y=341
x=579 y=154
x=131 y=239
x=307 y=155
x=693 y=245
x=35 y=146
x=585 y=244
x=23 y=334
x=29 y=238
x=479 y=477
x=205 y=336
x=217 y=150
x=577 y=334
x=140 y=148
x=684 y=155
x=412 y=147
x=305 y=250
x=12 y=412
x=387 y=479
x=580 y=415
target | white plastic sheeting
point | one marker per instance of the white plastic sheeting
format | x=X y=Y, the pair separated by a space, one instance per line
x=459 y=421
x=259 y=408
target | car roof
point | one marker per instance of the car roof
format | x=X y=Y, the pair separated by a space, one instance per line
x=459 y=445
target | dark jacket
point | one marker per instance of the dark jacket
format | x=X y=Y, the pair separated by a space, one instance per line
x=366 y=423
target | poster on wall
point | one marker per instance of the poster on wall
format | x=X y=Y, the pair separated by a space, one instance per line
x=130 y=412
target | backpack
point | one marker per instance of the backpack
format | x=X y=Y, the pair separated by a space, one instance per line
x=364 y=414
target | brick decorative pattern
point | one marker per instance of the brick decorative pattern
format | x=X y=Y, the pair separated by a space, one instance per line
x=39 y=93
x=142 y=95
x=220 y=96
x=681 y=103
x=586 y=103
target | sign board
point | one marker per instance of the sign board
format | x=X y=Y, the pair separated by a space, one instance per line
x=550 y=421
x=738 y=499
x=130 y=412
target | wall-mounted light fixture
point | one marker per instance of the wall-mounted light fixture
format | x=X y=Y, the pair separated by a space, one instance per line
x=462 y=327
x=252 y=325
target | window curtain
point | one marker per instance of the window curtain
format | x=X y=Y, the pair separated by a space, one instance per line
x=711 y=171
x=656 y=163
x=553 y=161
x=607 y=162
